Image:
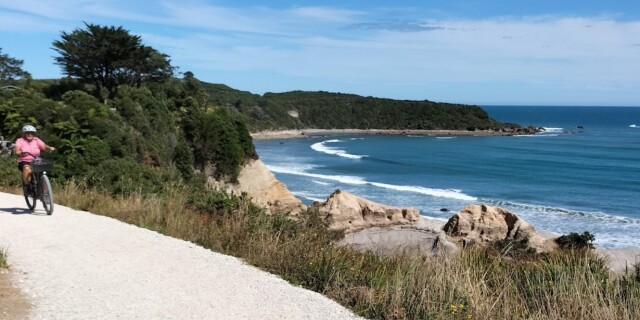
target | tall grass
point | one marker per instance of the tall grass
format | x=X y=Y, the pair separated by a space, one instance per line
x=3 y=259
x=476 y=284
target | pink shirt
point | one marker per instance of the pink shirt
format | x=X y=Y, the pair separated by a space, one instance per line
x=34 y=146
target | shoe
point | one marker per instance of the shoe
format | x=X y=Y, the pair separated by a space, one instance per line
x=27 y=190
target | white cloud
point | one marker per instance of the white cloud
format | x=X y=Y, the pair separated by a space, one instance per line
x=21 y=23
x=56 y=10
x=332 y=46
x=326 y=14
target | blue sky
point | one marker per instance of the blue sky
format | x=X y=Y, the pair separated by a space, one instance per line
x=529 y=52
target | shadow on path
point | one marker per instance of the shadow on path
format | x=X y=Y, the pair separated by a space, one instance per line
x=17 y=210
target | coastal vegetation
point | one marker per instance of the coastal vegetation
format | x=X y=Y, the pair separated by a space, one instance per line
x=326 y=110
x=139 y=148
x=498 y=282
x=3 y=259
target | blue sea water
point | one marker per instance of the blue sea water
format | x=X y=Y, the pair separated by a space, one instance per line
x=581 y=174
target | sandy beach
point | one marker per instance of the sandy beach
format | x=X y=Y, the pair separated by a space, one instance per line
x=291 y=134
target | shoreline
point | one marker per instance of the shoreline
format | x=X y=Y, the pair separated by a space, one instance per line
x=386 y=240
x=617 y=258
x=302 y=133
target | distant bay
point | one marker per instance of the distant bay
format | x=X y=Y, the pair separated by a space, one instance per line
x=581 y=174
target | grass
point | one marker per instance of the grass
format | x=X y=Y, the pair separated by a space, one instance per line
x=477 y=284
x=3 y=259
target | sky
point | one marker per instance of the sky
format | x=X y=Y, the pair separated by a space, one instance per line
x=487 y=52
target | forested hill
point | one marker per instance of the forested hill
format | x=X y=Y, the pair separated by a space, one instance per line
x=326 y=110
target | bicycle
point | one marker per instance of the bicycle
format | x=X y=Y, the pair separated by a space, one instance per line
x=40 y=187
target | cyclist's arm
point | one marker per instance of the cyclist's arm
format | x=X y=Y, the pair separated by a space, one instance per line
x=44 y=146
x=18 y=150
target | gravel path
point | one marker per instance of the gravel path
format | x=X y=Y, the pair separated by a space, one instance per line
x=77 y=265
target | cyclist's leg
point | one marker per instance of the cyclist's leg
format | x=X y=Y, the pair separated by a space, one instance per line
x=25 y=167
x=26 y=174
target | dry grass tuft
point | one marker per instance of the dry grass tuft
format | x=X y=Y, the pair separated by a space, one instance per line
x=3 y=259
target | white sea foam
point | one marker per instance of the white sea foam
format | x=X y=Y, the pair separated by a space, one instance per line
x=344 y=179
x=321 y=183
x=322 y=147
x=596 y=215
x=356 y=139
x=354 y=180
x=537 y=135
x=312 y=197
x=555 y=130
x=442 y=193
x=435 y=218
x=632 y=126
x=445 y=138
x=296 y=167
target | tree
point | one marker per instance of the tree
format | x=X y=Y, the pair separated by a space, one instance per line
x=11 y=68
x=108 y=57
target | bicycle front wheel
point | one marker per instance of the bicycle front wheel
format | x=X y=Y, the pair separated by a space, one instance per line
x=30 y=198
x=46 y=194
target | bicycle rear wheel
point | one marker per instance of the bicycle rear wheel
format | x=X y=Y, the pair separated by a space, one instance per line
x=46 y=195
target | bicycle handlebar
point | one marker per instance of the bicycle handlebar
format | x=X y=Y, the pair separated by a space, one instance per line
x=26 y=153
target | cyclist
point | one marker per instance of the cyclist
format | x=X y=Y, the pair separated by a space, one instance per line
x=31 y=144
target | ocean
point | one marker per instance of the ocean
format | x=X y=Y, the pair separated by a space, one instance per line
x=581 y=174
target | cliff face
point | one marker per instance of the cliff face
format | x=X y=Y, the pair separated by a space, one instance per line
x=263 y=187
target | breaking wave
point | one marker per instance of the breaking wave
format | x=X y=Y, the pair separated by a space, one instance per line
x=354 y=180
x=553 y=130
x=322 y=147
x=596 y=215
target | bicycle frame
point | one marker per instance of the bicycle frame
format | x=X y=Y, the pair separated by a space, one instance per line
x=40 y=186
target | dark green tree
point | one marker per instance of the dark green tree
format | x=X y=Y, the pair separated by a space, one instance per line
x=107 y=57
x=11 y=68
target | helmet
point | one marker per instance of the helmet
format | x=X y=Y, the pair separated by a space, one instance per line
x=28 y=128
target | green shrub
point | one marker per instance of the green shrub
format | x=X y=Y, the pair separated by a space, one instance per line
x=219 y=141
x=514 y=248
x=576 y=241
x=125 y=176
x=183 y=159
x=10 y=176
x=207 y=201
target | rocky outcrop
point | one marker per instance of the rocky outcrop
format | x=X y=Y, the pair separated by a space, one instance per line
x=265 y=190
x=348 y=212
x=516 y=130
x=425 y=238
x=480 y=224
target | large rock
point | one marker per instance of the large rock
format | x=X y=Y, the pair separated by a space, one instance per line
x=265 y=190
x=425 y=238
x=481 y=224
x=350 y=213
